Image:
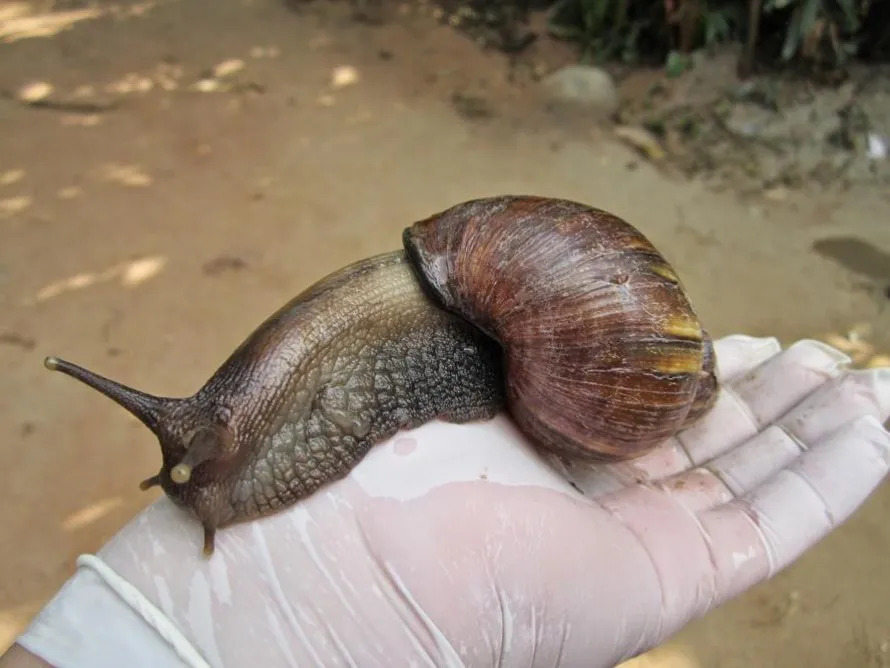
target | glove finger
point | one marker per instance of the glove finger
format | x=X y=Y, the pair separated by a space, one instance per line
x=756 y=536
x=788 y=376
x=704 y=559
x=850 y=395
x=836 y=404
x=738 y=354
x=756 y=399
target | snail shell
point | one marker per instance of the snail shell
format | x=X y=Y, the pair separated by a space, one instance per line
x=564 y=311
x=604 y=354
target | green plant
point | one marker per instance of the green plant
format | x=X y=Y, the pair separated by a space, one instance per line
x=722 y=22
x=816 y=23
x=611 y=29
x=825 y=32
x=662 y=31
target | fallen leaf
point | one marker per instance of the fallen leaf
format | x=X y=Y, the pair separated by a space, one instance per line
x=642 y=140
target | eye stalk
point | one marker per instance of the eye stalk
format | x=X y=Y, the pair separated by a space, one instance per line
x=158 y=414
x=206 y=444
x=181 y=473
x=152 y=411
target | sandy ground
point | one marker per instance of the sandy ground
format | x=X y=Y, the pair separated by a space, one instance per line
x=148 y=226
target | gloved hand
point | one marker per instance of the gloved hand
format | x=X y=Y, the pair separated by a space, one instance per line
x=461 y=545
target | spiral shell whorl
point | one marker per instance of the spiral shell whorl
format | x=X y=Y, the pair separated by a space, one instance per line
x=605 y=356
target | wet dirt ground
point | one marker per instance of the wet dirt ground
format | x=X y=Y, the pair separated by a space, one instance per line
x=154 y=210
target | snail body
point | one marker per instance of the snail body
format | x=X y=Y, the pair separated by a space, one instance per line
x=563 y=314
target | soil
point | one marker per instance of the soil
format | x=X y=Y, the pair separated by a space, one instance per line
x=172 y=171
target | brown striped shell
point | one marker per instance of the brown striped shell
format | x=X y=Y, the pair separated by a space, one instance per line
x=605 y=356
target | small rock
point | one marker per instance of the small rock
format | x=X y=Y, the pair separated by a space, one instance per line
x=584 y=86
x=877 y=147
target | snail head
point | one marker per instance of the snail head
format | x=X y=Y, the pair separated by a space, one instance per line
x=198 y=446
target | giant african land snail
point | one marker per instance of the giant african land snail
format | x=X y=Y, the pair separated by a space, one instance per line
x=565 y=312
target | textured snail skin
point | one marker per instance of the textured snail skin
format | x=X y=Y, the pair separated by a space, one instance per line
x=349 y=362
x=565 y=310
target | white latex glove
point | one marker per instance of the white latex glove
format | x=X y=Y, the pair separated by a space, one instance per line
x=463 y=546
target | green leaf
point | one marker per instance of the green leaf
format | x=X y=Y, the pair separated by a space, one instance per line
x=716 y=28
x=676 y=64
x=775 y=5
x=811 y=11
x=850 y=14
